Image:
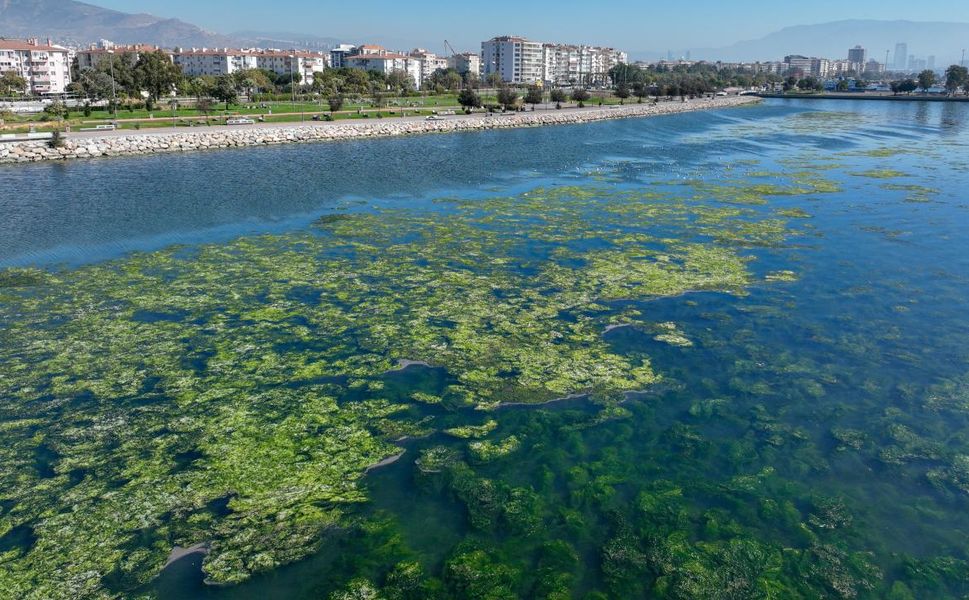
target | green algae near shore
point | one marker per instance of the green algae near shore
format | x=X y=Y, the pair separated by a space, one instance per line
x=233 y=394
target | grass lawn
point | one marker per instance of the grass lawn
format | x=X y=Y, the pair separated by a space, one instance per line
x=273 y=112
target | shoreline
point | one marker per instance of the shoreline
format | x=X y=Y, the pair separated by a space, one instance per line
x=85 y=146
x=887 y=97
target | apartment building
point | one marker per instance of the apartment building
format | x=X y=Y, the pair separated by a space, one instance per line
x=521 y=61
x=464 y=63
x=282 y=62
x=386 y=63
x=515 y=59
x=196 y=62
x=339 y=54
x=427 y=63
x=565 y=64
x=90 y=58
x=46 y=67
x=816 y=67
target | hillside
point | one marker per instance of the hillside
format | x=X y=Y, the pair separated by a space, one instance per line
x=70 y=21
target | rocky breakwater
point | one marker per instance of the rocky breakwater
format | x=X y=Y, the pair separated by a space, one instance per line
x=123 y=144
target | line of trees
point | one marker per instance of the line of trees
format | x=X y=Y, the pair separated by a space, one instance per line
x=153 y=76
x=683 y=80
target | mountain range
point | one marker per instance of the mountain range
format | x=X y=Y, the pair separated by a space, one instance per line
x=80 y=23
x=72 y=22
x=943 y=40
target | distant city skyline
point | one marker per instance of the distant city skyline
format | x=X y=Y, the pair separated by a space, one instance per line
x=631 y=27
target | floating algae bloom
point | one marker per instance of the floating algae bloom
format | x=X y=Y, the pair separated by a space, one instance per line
x=235 y=394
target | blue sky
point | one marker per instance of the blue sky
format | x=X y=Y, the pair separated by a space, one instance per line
x=636 y=26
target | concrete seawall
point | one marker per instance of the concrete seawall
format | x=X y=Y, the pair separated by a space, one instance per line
x=125 y=144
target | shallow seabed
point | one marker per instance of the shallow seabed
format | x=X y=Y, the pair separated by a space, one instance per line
x=712 y=355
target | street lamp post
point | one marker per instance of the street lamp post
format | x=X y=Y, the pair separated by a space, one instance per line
x=114 y=99
x=292 y=82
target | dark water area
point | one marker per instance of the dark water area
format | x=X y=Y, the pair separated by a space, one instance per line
x=808 y=436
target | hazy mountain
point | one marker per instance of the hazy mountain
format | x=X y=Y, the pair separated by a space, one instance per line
x=76 y=22
x=278 y=39
x=945 y=41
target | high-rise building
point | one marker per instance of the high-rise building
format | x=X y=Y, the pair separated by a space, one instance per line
x=901 y=56
x=930 y=63
x=857 y=55
x=515 y=59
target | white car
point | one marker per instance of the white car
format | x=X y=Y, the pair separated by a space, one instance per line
x=239 y=121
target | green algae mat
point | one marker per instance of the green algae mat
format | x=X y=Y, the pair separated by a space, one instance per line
x=748 y=381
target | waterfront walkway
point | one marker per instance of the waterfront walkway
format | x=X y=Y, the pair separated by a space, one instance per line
x=92 y=144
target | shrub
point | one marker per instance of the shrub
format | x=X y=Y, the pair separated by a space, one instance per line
x=56 y=140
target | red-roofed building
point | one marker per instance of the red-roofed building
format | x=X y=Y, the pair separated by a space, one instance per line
x=225 y=61
x=91 y=57
x=46 y=67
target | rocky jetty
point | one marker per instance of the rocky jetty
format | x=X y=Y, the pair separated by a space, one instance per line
x=124 y=144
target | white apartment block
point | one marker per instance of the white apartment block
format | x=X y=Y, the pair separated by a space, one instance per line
x=515 y=59
x=584 y=65
x=521 y=61
x=90 y=58
x=215 y=62
x=427 y=62
x=46 y=67
x=197 y=62
x=464 y=63
x=387 y=63
x=816 y=67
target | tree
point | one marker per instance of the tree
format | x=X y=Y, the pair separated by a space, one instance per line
x=200 y=87
x=468 y=98
x=580 y=96
x=907 y=86
x=507 y=98
x=843 y=85
x=534 y=96
x=400 y=81
x=622 y=92
x=156 y=74
x=926 y=80
x=335 y=102
x=204 y=105
x=956 y=77
x=225 y=90
x=810 y=84
x=494 y=80
x=94 y=84
x=11 y=83
x=55 y=110
x=558 y=95
x=627 y=74
x=641 y=90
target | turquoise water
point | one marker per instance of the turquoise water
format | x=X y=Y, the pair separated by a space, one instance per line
x=803 y=433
